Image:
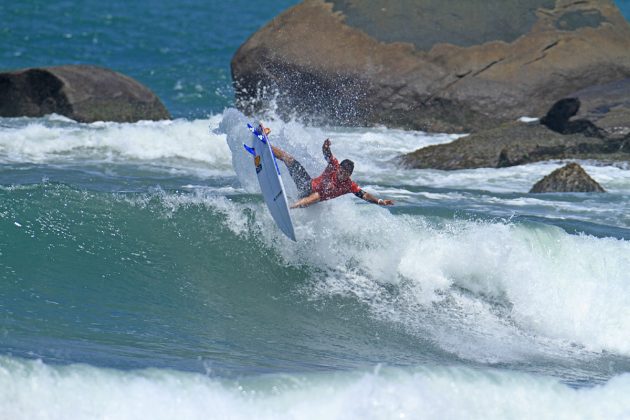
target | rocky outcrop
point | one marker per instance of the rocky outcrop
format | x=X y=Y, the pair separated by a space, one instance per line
x=558 y=119
x=82 y=93
x=570 y=178
x=430 y=64
x=513 y=144
x=607 y=105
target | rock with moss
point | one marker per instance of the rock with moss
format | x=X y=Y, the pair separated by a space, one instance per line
x=513 y=144
x=82 y=93
x=569 y=178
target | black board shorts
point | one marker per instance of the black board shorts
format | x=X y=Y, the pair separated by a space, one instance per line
x=301 y=178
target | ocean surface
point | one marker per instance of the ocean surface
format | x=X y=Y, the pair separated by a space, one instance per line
x=141 y=275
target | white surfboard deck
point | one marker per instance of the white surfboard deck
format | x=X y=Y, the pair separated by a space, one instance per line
x=271 y=186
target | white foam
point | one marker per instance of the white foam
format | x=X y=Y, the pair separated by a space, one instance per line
x=40 y=141
x=558 y=295
x=32 y=390
x=558 y=287
x=189 y=145
x=513 y=179
x=564 y=288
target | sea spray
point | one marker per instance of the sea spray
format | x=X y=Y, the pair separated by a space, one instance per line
x=559 y=286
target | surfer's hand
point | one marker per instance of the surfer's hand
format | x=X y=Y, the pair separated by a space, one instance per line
x=385 y=202
x=326 y=150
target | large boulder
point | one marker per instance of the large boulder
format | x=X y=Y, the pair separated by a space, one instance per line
x=513 y=144
x=430 y=64
x=83 y=93
x=569 y=178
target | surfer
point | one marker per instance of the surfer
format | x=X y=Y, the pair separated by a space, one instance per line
x=333 y=182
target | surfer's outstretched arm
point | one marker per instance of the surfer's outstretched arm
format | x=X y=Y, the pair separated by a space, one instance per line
x=306 y=201
x=371 y=199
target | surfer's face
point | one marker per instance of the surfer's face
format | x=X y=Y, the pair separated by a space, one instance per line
x=342 y=175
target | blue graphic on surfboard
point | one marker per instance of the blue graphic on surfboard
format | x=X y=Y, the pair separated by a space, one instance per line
x=271 y=186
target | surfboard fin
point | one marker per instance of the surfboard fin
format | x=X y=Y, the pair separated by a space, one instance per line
x=250 y=149
x=257 y=133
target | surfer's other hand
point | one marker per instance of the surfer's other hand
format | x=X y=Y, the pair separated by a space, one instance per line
x=327 y=143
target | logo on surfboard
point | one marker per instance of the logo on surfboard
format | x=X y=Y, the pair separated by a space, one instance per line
x=257 y=163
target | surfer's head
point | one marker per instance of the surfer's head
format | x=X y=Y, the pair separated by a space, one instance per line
x=345 y=169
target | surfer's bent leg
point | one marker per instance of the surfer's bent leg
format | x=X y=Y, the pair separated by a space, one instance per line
x=301 y=178
x=282 y=155
x=299 y=175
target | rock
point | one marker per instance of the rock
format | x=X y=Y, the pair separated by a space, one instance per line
x=558 y=115
x=570 y=178
x=430 y=64
x=83 y=93
x=557 y=119
x=513 y=144
x=607 y=105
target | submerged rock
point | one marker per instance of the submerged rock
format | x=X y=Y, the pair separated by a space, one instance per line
x=430 y=64
x=570 y=178
x=83 y=93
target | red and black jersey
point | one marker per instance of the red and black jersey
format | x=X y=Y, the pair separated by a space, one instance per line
x=327 y=184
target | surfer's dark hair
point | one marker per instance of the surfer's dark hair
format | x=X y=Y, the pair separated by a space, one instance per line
x=347 y=165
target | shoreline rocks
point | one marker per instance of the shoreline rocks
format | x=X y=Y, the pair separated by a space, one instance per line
x=555 y=136
x=569 y=178
x=514 y=144
x=427 y=64
x=80 y=92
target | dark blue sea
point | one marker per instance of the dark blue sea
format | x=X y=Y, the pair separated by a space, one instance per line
x=141 y=275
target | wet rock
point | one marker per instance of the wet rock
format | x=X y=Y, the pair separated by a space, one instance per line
x=570 y=178
x=430 y=64
x=82 y=93
x=513 y=144
x=607 y=106
x=558 y=115
x=557 y=119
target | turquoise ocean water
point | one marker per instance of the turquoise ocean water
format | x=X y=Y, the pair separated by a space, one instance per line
x=142 y=277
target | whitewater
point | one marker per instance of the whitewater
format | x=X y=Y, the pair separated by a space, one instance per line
x=142 y=276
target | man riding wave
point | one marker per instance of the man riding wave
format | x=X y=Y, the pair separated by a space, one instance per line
x=333 y=182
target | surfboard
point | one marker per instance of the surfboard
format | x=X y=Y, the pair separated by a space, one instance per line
x=271 y=186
